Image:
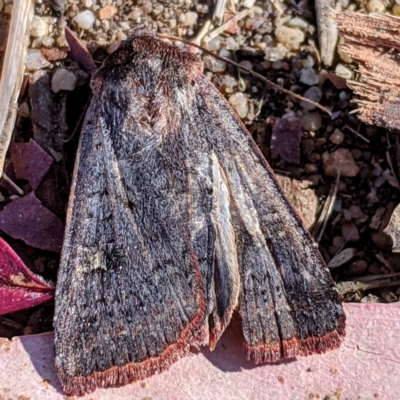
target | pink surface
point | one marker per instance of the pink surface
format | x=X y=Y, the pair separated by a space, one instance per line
x=367 y=366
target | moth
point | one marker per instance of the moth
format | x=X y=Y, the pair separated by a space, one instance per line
x=175 y=221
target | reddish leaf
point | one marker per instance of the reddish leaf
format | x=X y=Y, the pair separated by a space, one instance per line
x=30 y=162
x=19 y=287
x=79 y=53
x=286 y=137
x=27 y=219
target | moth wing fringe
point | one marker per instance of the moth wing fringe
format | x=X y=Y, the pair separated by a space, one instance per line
x=122 y=375
x=269 y=353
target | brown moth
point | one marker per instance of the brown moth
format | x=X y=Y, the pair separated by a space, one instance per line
x=175 y=220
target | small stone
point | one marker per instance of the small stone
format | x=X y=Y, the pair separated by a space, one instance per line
x=370 y=299
x=375 y=6
x=214 y=44
x=350 y=232
x=135 y=14
x=340 y=160
x=343 y=72
x=337 y=136
x=231 y=44
x=48 y=41
x=62 y=41
x=307 y=145
x=213 y=64
x=276 y=53
x=396 y=9
x=227 y=82
x=63 y=80
x=1 y=5
x=388 y=295
x=239 y=102
x=121 y=36
x=253 y=24
x=85 y=19
x=39 y=27
x=158 y=9
x=23 y=109
x=314 y=94
x=382 y=240
x=107 y=12
x=357 y=267
x=246 y=64
x=310 y=168
x=342 y=258
x=297 y=22
x=347 y=215
x=308 y=76
x=190 y=18
x=248 y=3
x=291 y=38
x=338 y=205
x=338 y=241
x=147 y=7
x=311 y=122
x=53 y=54
x=355 y=212
x=35 y=60
x=8 y=9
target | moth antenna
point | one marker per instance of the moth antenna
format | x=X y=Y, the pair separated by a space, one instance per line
x=255 y=74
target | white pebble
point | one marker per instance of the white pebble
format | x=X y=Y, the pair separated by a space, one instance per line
x=298 y=23
x=239 y=102
x=214 y=44
x=343 y=71
x=276 y=53
x=291 y=38
x=308 y=77
x=35 y=60
x=248 y=3
x=85 y=19
x=48 y=41
x=190 y=18
x=231 y=44
x=39 y=27
x=375 y=6
x=135 y=14
x=63 y=80
x=214 y=64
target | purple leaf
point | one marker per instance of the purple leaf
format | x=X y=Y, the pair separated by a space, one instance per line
x=285 y=140
x=79 y=53
x=30 y=162
x=19 y=287
x=27 y=219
